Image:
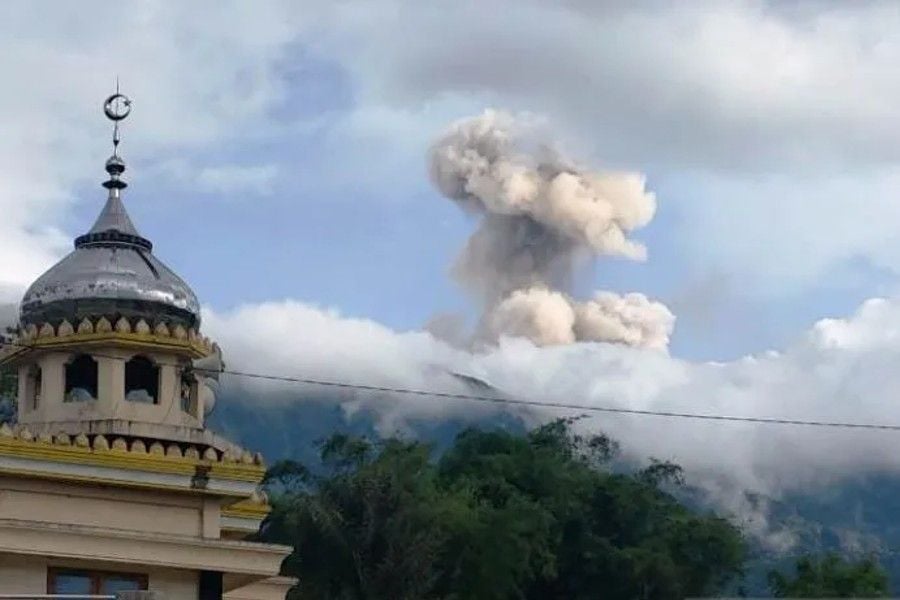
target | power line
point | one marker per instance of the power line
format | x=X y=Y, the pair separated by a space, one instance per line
x=504 y=400
x=567 y=406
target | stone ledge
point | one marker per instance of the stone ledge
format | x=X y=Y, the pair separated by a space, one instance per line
x=140 y=548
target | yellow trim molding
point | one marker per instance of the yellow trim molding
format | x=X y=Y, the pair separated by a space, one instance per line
x=101 y=455
x=248 y=509
x=103 y=331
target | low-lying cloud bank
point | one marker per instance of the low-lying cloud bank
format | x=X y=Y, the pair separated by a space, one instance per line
x=841 y=370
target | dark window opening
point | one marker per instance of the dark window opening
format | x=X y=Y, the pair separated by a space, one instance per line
x=34 y=388
x=71 y=581
x=187 y=392
x=81 y=379
x=141 y=380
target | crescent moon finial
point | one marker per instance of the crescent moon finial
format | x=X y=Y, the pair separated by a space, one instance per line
x=116 y=107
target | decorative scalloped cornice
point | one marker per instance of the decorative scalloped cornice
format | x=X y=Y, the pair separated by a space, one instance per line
x=136 y=334
x=243 y=466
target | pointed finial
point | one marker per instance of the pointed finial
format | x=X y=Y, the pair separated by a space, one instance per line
x=116 y=107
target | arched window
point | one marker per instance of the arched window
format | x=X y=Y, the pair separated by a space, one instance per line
x=81 y=379
x=141 y=380
x=188 y=393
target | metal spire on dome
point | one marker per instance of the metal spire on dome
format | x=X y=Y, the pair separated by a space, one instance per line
x=112 y=271
x=114 y=225
x=117 y=107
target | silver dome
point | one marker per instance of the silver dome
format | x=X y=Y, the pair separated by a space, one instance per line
x=112 y=272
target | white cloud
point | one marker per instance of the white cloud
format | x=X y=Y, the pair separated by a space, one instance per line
x=842 y=370
x=785 y=122
x=730 y=85
x=778 y=118
x=195 y=82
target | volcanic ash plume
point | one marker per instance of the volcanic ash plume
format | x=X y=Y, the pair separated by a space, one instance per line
x=540 y=214
x=538 y=314
x=547 y=317
x=632 y=319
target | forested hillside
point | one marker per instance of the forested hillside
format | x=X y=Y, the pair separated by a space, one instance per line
x=497 y=515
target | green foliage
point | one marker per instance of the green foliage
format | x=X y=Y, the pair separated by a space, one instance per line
x=9 y=387
x=831 y=577
x=9 y=383
x=498 y=516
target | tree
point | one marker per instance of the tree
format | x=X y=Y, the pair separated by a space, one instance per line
x=9 y=384
x=498 y=516
x=831 y=577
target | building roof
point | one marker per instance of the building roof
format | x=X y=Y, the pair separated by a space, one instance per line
x=112 y=273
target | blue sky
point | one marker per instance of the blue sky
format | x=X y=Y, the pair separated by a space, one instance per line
x=281 y=153
x=385 y=251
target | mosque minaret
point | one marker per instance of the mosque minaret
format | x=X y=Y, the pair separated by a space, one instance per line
x=109 y=480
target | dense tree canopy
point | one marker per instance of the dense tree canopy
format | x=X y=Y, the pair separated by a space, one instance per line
x=831 y=577
x=497 y=516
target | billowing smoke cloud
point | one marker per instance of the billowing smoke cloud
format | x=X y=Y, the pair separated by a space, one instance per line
x=630 y=319
x=537 y=314
x=540 y=215
x=547 y=317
